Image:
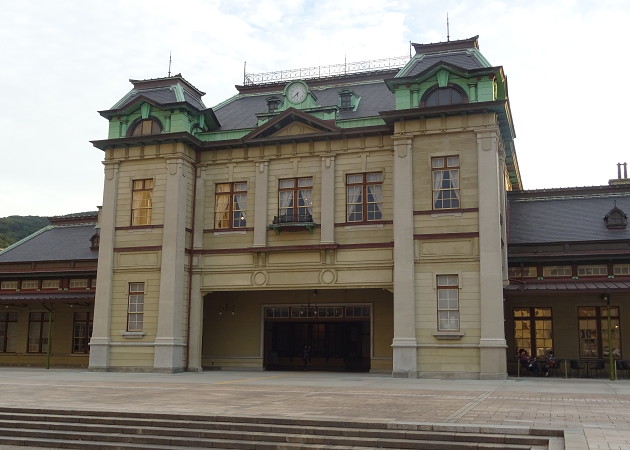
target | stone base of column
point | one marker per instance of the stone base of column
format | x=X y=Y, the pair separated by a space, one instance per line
x=168 y=355
x=492 y=359
x=405 y=358
x=99 y=355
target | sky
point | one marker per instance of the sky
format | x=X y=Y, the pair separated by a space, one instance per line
x=63 y=61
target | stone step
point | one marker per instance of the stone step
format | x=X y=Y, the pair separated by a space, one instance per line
x=227 y=430
x=108 y=430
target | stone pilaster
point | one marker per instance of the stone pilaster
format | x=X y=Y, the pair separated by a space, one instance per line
x=492 y=345
x=503 y=204
x=196 y=300
x=169 y=344
x=404 y=343
x=328 y=200
x=99 y=343
x=260 y=204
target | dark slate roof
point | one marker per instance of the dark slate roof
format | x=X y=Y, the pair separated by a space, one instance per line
x=461 y=59
x=162 y=95
x=565 y=219
x=47 y=296
x=566 y=286
x=52 y=243
x=241 y=112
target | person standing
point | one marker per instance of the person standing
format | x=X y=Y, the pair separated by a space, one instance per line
x=305 y=354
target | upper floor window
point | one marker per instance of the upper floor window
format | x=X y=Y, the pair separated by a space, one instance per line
x=518 y=272
x=445 y=182
x=230 y=206
x=295 y=200
x=557 y=271
x=142 y=202
x=9 y=285
x=616 y=219
x=78 y=283
x=30 y=284
x=273 y=104
x=146 y=127
x=442 y=96
x=364 y=197
x=621 y=269
x=51 y=284
x=585 y=271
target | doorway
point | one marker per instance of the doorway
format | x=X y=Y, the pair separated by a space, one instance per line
x=334 y=345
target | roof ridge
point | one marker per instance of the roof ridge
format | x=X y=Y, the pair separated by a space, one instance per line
x=27 y=238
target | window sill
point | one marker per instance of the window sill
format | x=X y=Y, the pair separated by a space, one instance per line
x=448 y=334
x=446 y=213
x=363 y=226
x=133 y=334
x=229 y=231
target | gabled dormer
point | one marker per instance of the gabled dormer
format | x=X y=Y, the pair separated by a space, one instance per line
x=348 y=100
x=160 y=106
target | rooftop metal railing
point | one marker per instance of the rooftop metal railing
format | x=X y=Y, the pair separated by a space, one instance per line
x=334 y=70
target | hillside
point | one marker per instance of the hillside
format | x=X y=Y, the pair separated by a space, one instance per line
x=14 y=228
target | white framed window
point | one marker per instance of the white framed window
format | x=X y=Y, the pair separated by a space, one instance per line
x=9 y=285
x=93 y=282
x=448 y=302
x=30 y=284
x=585 y=271
x=50 y=284
x=618 y=269
x=557 y=271
x=135 y=309
x=79 y=283
x=445 y=172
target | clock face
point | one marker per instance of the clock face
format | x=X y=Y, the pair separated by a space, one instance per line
x=297 y=93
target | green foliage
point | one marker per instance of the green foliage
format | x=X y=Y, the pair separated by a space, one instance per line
x=14 y=228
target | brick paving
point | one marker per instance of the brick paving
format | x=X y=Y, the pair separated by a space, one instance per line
x=600 y=407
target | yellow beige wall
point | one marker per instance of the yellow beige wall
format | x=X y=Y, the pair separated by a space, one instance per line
x=62 y=337
x=236 y=340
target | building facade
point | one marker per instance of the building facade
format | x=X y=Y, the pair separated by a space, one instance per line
x=47 y=290
x=569 y=262
x=359 y=214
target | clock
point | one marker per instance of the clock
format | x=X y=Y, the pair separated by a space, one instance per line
x=296 y=93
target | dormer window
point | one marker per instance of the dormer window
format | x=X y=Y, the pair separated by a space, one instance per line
x=616 y=219
x=95 y=240
x=348 y=99
x=145 y=128
x=274 y=104
x=442 y=96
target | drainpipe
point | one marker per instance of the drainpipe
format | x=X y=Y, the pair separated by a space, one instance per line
x=50 y=314
x=190 y=256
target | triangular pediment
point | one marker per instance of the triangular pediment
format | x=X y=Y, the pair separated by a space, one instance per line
x=292 y=122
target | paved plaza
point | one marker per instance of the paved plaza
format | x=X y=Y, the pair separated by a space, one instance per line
x=600 y=407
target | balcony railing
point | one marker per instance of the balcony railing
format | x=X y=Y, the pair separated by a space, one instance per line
x=333 y=70
x=293 y=223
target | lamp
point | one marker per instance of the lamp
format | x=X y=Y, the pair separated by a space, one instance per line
x=226 y=309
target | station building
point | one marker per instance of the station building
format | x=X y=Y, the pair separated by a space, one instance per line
x=359 y=212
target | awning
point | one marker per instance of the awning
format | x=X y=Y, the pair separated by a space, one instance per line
x=62 y=296
x=565 y=287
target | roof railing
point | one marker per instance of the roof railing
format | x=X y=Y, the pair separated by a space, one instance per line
x=334 y=70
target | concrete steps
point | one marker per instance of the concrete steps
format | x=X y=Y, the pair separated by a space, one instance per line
x=125 y=430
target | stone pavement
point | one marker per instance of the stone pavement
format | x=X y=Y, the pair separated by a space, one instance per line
x=600 y=407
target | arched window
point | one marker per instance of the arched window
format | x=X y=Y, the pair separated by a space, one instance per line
x=145 y=127
x=442 y=96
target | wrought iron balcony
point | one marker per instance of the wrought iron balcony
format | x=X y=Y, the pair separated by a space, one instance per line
x=293 y=223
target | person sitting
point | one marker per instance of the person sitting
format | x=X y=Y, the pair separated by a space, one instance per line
x=528 y=362
x=551 y=362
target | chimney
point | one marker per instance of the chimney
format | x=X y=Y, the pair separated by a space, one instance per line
x=619 y=179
